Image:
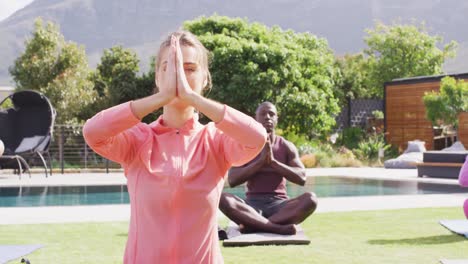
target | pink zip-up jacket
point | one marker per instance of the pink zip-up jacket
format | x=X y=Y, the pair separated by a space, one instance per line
x=463 y=180
x=175 y=178
x=463 y=177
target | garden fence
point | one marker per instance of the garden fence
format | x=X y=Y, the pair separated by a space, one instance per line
x=356 y=112
x=68 y=150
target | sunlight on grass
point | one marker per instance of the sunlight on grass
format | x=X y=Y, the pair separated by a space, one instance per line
x=393 y=236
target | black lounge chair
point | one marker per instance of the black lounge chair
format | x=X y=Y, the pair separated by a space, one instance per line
x=26 y=130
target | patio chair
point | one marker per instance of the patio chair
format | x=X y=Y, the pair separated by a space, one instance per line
x=26 y=130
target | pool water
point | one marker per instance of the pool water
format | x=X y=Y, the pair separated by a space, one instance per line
x=63 y=195
x=334 y=186
x=329 y=186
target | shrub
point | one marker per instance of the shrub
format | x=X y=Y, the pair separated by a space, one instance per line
x=346 y=152
x=309 y=160
x=378 y=114
x=369 y=149
x=350 y=137
x=336 y=160
x=341 y=160
x=297 y=139
x=391 y=152
x=443 y=107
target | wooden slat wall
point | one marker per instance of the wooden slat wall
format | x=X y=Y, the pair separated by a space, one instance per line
x=405 y=114
x=463 y=128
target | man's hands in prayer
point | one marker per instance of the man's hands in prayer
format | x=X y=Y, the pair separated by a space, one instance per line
x=266 y=156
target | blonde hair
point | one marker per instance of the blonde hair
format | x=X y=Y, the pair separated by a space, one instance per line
x=186 y=38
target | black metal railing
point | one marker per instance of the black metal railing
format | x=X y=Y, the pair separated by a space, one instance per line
x=68 y=150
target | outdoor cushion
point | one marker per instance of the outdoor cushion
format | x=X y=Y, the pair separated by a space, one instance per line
x=28 y=143
x=415 y=146
x=404 y=161
x=457 y=146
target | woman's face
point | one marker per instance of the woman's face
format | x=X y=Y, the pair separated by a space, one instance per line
x=194 y=71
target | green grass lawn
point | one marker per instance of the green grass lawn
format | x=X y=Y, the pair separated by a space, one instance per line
x=393 y=236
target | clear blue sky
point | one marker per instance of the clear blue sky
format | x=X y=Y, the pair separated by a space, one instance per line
x=8 y=7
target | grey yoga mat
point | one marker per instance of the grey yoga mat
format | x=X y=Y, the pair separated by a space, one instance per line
x=11 y=252
x=237 y=239
x=457 y=226
x=454 y=261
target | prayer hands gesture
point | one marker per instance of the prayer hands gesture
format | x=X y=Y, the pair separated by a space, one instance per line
x=168 y=80
x=266 y=156
x=174 y=82
x=183 y=89
x=182 y=74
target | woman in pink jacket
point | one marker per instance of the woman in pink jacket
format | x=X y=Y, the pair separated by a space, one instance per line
x=463 y=180
x=175 y=167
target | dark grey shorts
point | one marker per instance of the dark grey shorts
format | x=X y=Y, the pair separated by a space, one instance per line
x=266 y=205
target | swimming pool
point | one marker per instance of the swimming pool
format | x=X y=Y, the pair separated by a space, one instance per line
x=323 y=186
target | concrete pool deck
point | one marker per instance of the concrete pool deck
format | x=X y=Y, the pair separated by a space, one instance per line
x=103 y=213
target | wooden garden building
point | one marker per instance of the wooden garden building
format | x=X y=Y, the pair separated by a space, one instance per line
x=405 y=113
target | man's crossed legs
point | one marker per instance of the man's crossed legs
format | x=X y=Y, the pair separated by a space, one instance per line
x=268 y=213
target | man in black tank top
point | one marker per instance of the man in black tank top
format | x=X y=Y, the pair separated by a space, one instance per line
x=267 y=207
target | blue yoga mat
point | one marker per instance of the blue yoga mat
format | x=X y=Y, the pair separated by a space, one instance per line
x=11 y=252
x=457 y=226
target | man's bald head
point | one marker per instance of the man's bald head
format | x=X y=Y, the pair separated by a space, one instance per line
x=266 y=103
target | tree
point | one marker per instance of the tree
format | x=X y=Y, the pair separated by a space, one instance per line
x=118 y=70
x=353 y=79
x=252 y=63
x=146 y=86
x=443 y=107
x=116 y=80
x=400 y=51
x=56 y=68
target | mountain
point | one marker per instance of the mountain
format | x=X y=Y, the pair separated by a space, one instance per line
x=140 y=24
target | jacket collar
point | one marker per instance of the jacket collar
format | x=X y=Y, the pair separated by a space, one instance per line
x=190 y=125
